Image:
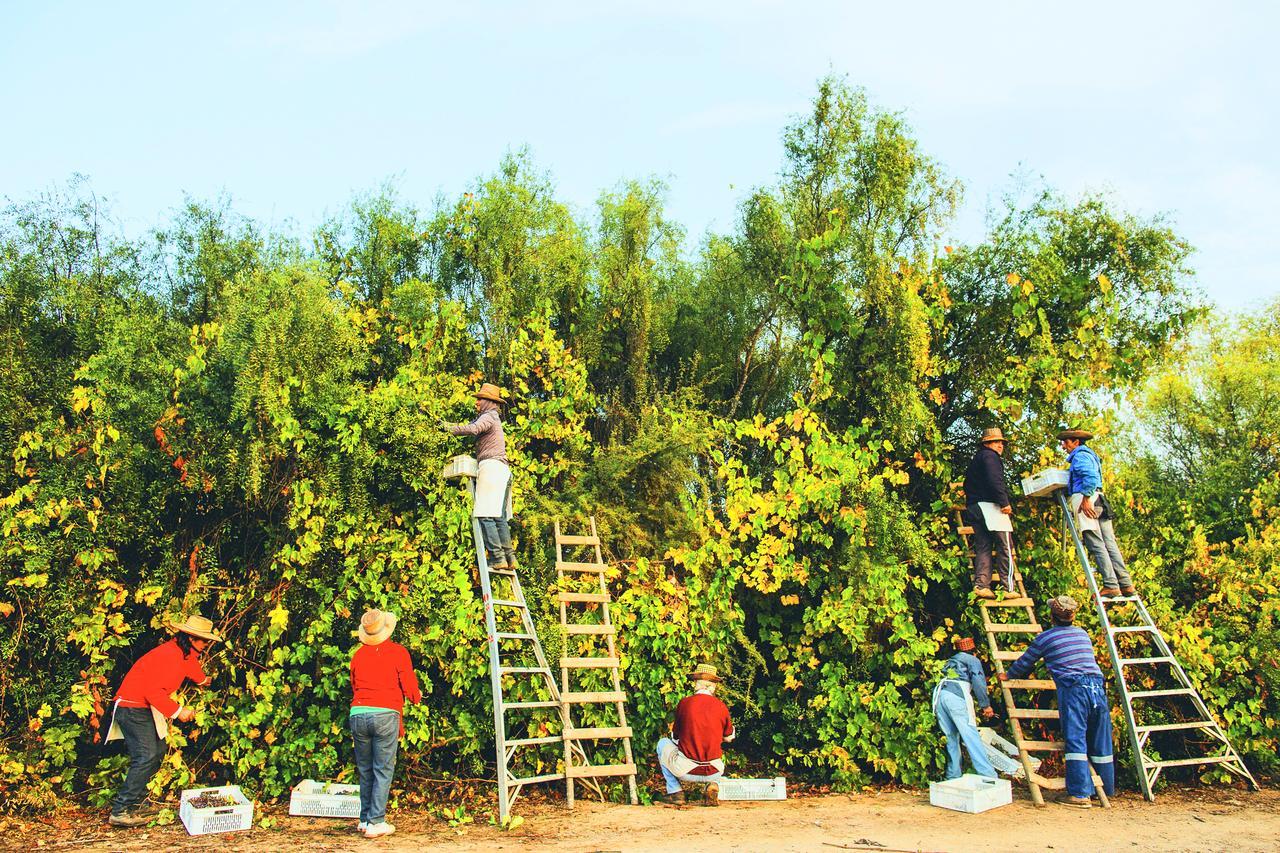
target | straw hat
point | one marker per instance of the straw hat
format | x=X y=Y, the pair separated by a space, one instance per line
x=1075 y=432
x=489 y=391
x=197 y=626
x=704 y=672
x=1063 y=607
x=376 y=626
x=992 y=434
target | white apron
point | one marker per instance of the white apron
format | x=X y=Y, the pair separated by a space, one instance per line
x=996 y=520
x=968 y=698
x=114 y=732
x=1084 y=522
x=493 y=498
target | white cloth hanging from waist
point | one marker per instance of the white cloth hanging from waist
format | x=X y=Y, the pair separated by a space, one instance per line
x=114 y=732
x=1084 y=522
x=995 y=520
x=965 y=688
x=493 y=495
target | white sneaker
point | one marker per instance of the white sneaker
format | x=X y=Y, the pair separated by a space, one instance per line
x=361 y=826
x=375 y=830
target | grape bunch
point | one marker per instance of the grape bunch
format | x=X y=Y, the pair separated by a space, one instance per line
x=211 y=800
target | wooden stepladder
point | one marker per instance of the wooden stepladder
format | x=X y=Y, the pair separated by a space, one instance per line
x=589 y=674
x=1147 y=661
x=1007 y=639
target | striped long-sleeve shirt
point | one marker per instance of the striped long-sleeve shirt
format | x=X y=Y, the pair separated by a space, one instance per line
x=1066 y=651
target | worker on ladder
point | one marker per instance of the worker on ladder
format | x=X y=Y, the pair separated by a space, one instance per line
x=1083 y=711
x=493 y=482
x=987 y=511
x=1093 y=513
x=694 y=751
x=963 y=681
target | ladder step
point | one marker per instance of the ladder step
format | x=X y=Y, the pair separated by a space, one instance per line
x=1115 y=599
x=529 y=780
x=519 y=670
x=1135 y=661
x=509 y=636
x=965 y=531
x=588 y=629
x=503 y=602
x=1043 y=745
x=1032 y=714
x=1188 y=762
x=577 y=540
x=1145 y=694
x=1013 y=628
x=1129 y=629
x=1032 y=684
x=1051 y=783
x=531 y=741
x=1007 y=602
x=592 y=734
x=588 y=663
x=585 y=597
x=1002 y=654
x=507 y=706
x=587 y=698
x=507 y=572
x=1168 y=727
x=580 y=567
x=590 y=770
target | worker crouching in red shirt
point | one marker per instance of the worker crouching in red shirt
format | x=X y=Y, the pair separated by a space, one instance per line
x=143 y=706
x=693 y=752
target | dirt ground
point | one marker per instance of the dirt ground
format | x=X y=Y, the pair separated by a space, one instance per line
x=1199 y=820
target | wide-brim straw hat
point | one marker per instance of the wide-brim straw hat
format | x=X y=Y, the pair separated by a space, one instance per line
x=993 y=434
x=1075 y=432
x=489 y=391
x=704 y=672
x=197 y=626
x=1063 y=606
x=376 y=626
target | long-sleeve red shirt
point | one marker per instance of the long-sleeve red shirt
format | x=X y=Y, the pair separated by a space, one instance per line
x=382 y=677
x=158 y=673
x=702 y=723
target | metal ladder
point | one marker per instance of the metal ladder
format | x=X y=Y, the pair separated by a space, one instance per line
x=1024 y=631
x=582 y=662
x=1151 y=665
x=507 y=621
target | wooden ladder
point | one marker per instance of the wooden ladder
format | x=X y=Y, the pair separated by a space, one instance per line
x=1021 y=632
x=582 y=589
x=1163 y=685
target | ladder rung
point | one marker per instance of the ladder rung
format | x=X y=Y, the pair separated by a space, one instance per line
x=502 y=572
x=529 y=780
x=589 y=663
x=1043 y=745
x=531 y=741
x=1129 y=629
x=588 y=629
x=1031 y=683
x=581 y=567
x=1188 y=762
x=1114 y=599
x=1052 y=783
x=503 y=602
x=1013 y=628
x=507 y=706
x=1032 y=714
x=1134 y=661
x=1168 y=727
x=577 y=540
x=589 y=770
x=585 y=597
x=592 y=734
x=509 y=636
x=965 y=531
x=519 y=670
x=1145 y=694
x=1002 y=654
x=1007 y=602
x=586 y=698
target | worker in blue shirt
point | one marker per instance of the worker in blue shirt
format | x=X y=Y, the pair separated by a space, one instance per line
x=963 y=682
x=1084 y=478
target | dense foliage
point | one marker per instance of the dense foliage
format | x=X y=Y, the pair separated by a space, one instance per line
x=218 y=418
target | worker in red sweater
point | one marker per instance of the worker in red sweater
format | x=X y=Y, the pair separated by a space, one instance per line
x=382 y=679
x=144 y=706
x=693 y=752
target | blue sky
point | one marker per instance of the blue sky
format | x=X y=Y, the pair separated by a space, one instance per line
x=291 y=108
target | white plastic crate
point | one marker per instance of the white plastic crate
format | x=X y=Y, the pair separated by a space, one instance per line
x=462 y=466
x=753 y=789
x=1044 y=483
x=231 y=818
x=324 y=799
x=970 y=793
x=1004 y=755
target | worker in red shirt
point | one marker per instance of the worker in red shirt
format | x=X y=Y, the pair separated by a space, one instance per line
x=143 y=706
x=693 y=752
x=382 y=680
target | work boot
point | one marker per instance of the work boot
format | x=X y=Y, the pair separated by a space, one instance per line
x=983 y=592
x=1128 y=590
x=713 y=794
x=1074 y=802
x=129 y=818
x=674 y=799
x=1110 y=591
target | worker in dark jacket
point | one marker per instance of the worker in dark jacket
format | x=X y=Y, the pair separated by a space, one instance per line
x=984 y=483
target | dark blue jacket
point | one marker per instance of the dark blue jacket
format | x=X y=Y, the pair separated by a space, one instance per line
x=984 y=480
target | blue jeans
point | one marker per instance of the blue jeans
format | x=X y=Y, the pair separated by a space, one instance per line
x=146 y=751
x=1106 y=556
x=953 y=717
x=495 y=531
x=1085 y=717
x=667 y=749
x=377 y=737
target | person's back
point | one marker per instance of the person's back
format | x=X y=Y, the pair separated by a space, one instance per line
x=701 y=724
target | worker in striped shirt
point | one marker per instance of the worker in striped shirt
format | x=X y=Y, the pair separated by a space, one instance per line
x=1083 y=711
